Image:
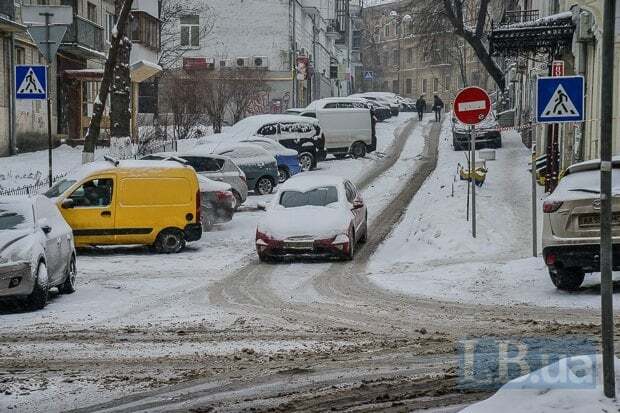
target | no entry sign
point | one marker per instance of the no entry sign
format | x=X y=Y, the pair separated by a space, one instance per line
x=472 y=105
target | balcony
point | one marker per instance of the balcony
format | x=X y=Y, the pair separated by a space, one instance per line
x=8 y=9
x=84 y=38
x=519 y=16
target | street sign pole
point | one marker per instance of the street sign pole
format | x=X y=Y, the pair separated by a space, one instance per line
x=534 y=204
x=607 y=99
x=472 y=169
x=49 y=98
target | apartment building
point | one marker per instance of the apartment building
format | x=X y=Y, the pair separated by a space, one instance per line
x=305 y=47
x=410 y=63
x=76 y=71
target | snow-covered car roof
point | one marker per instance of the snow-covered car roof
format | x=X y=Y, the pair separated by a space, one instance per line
x=307 y=183
x=106 y=166
x=209 y=185
x=249 y=126
x=320 y=103
x=583 y=185
x=593 y=164
x=489 y=123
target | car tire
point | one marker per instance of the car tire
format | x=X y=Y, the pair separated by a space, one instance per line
x=170 y=241
x=283 y=175
x=238 y=200
x=306 y=160
x=567 y=279
x=207 y=223
x=358 y=150
x=264 y=258
x=264 y=186
x=351 y=253
x=68 y=286
x=37 y=300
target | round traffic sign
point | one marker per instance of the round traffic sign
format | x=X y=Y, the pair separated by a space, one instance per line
x=472 y=105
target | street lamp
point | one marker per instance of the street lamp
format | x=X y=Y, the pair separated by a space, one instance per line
x=399 y=33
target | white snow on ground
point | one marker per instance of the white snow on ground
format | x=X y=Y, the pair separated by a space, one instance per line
x=431 y=252
x=521 y=395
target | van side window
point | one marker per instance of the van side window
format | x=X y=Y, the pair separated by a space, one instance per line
x=345 y=105
x=333 y=105
x=267 y=130
x=94 y=193
x=201 y=164
x=297 y=127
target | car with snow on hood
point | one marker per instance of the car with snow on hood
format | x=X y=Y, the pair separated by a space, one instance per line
x=217 y=202
x=487 y=134
x=571 y=237
x=320 y=216
x=287 y=159
x=37 y=251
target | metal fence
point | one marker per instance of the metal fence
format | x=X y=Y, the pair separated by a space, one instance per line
x=30 y=189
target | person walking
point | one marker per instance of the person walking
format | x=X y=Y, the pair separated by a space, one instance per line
x=437 y=107
x=420 y=106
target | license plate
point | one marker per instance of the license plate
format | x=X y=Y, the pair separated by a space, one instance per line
x=299 y=245
x=594 y=220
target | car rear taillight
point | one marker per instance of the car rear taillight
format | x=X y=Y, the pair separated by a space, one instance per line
x=223 y=195
x=198 y=213
x=551 y=206
x=551 y=258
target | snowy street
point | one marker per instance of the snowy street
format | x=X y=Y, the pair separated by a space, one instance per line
x=212 y=325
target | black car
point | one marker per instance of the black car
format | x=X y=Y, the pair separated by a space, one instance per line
x=487 y=134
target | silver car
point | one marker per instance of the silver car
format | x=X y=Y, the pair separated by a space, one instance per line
x=37 y=251
x=215 y=167
x=571 y=225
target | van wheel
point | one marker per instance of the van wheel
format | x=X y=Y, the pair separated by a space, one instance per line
x=238 y=200
x=37 y=299
x=567 y=279
x=170 y=241
x=68 y=286
x=306 y=160
x=264 y=186
x=358 y=150
x=283 y=175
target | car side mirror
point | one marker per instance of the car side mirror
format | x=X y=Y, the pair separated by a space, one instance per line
x=68 y=204
x=262 y=206
x=357 y=204
x=45 y=226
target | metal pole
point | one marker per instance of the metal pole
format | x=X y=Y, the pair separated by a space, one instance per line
x=607 y=99
x=473 y=182
x=49 y=97
x=534 y=203
x=13 y=115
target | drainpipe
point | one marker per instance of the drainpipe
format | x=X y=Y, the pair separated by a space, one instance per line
x=12 y=103
x=293 y=4
x=315 y=84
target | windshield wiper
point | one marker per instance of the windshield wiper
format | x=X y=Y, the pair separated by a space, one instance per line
x=589 y=191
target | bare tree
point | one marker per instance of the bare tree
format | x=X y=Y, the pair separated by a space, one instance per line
x=468 y=19
x=216 y=90
x=245 y=86
x=185 y=102
x=94 y=129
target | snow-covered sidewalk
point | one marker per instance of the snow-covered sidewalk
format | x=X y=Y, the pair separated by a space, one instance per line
x=431 y=252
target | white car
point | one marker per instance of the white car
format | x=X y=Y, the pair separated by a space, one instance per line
x=319 y=216
x=37 y=251
x=346 y=124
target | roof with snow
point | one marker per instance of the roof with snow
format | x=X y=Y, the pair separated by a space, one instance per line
x=306 y=183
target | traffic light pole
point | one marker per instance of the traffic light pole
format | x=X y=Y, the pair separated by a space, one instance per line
x=607 y=99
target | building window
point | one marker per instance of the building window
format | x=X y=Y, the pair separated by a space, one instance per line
x=385 y=85
x=386 y=59
x=145 y=30
x=424 y=86
x=448 y=84
x=408 y=86
x=91 y=12
x=395 y=86
x=109 y=27
x=435 y=85
x=387 y=31
x=410 y=55
x=190 y=31
x=396 y=57
x=20 y=55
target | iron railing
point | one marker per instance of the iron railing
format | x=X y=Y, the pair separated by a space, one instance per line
x=31 y=189
x=84 y=33
x=520 y=16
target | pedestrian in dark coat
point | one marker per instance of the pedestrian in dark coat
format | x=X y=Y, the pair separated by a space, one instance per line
x=420 y=106
x=437 y=107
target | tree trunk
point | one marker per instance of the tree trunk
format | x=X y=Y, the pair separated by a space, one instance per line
x=94 y=129
x=120 y=98
x=485 y=58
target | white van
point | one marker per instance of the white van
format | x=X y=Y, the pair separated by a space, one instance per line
x=347 y=125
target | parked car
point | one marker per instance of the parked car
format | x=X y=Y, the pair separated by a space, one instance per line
x=321 y=216
x=287 y=159
x=215 y=167
x=37 y=251
x=347 y=125
x=293 y=132
x=571 y=224
x=217 y=202
x=259 y=166
x=487 y=134
x=294 y=111
x=131 y=202
x=381 y=111
x=387 y=98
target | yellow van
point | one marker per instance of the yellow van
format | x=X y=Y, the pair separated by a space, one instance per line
x=131 y=202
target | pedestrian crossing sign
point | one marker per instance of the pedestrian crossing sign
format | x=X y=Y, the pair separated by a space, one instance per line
x=30 y=82
x=560 y=99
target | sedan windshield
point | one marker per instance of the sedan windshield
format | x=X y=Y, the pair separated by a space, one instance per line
x=15 y=216
x=59 y=188
x=317 y=197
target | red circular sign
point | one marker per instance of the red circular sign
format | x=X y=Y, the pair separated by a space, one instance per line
x=472 y=105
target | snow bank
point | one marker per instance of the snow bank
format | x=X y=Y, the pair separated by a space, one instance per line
x=529 y=394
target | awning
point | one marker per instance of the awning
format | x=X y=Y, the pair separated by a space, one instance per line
x=546 y=35
x=143 y=70
x=7 y=25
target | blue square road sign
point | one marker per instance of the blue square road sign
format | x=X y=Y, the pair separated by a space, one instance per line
x=560 y=99
x=31 y=82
